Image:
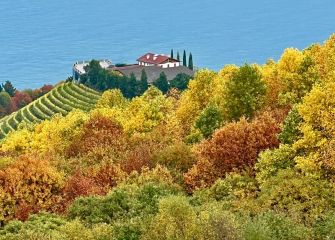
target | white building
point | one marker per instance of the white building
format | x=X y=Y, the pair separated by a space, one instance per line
x=79 y=67
x=151 y=59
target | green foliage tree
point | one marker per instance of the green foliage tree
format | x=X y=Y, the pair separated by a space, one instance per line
x=290 y=130
x=4 y=102
x=245 y=93
x=209 y=119
x=171 y=55
x=190 y=61
x=161 y=83
x=271 y=161
x=9 y=88
x=184 y=59
x=274 y=226
x=302 y=197
x=178 y=56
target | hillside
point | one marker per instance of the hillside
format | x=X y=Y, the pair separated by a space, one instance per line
x=62 y=99
x=245 y=153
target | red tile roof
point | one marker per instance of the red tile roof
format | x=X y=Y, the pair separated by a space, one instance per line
x=152 y=58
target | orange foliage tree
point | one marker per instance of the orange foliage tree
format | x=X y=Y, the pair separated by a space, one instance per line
x=234 y=147
x=94 y=180
x=100 y=135
x=31 y=185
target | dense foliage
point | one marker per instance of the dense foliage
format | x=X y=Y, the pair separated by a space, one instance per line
x=243 y=153
x=101 y=79
x=12 y=99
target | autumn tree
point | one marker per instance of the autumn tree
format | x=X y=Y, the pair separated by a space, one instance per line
x=33 y=185
x=111 y=98
x=19 y=100
x=98 y=133
x=198 y=95
x=233 y=147
x=176 y=220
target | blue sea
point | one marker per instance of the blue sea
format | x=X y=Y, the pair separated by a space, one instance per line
x=41 y=39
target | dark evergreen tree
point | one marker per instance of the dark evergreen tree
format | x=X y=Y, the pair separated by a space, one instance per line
x=184 y=59
x=143 y=84
x=131 y=86
x=161 y=83
x=180 y=81
x=190 y=61
x=9 y=88
x=178 y=56
x=171 y=55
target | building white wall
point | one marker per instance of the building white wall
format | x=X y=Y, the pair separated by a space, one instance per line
x=165 y=65
x=170 y=64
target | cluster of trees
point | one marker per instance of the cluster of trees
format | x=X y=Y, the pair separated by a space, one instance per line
x=12 y=99
x=188 y=64
x=243 y=153
x=101 y=79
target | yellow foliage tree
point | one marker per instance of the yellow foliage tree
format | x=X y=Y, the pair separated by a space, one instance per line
x=50 y=136
x=195 y=99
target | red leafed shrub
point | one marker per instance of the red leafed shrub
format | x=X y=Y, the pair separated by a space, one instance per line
x=137 y=158
x=46 y=88
x=19 y=100
x=95 y=180
x=79 y=185
x=233 y=147
x=107 y=176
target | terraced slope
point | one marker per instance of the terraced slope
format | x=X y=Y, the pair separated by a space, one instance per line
x=62 y=99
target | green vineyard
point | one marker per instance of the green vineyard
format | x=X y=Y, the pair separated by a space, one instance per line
x=62 y=99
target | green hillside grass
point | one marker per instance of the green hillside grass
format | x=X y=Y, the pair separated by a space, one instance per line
x=62 y=99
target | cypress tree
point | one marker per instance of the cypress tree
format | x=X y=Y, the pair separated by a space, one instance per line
x=184 y=59
x=178 y=56
x=171 y=55
x=190 y=61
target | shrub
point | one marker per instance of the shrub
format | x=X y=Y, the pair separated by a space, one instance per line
x=275 y=227
x=303 y=197
x=178 y=156
x=122 y=203
x=176 y=220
